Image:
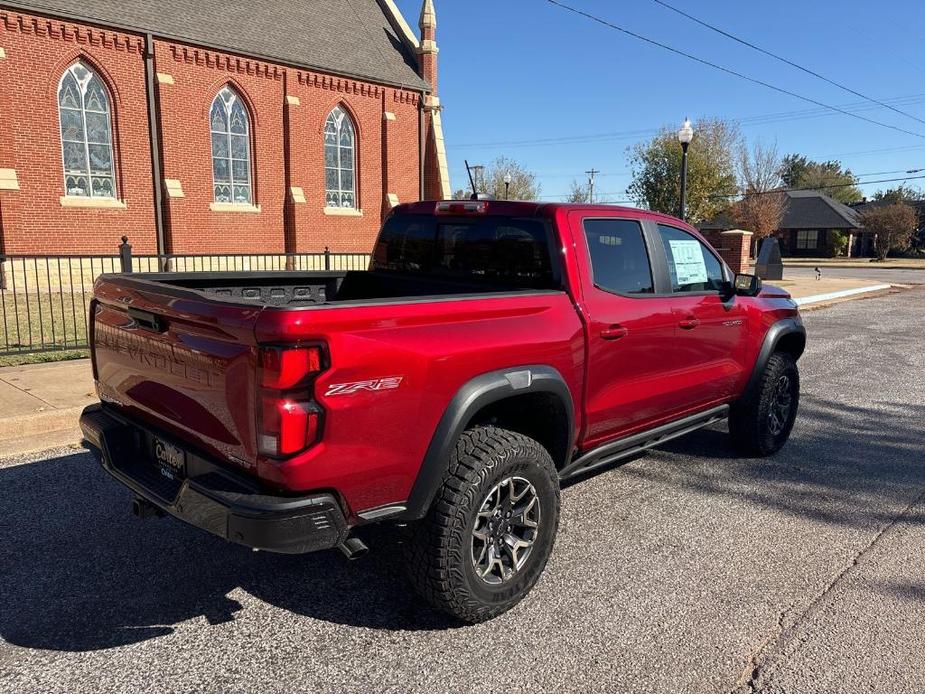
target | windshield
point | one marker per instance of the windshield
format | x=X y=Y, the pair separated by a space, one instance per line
x=493 y=250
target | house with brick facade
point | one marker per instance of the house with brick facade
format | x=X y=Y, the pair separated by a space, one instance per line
x=813 y=225
x=240 y=126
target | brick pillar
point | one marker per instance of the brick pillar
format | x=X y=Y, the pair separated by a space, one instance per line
x=736 y=245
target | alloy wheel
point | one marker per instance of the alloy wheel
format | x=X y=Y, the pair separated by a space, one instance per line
x=505 y=529
x=781 y=402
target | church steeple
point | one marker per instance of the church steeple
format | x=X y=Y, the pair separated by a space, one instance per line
x=427 y=52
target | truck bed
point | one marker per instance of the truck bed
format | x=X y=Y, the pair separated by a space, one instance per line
x=308 y=288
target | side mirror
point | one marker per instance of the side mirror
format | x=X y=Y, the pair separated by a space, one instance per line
x=747 y=285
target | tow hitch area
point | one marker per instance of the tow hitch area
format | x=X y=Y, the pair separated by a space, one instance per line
x=144 y=509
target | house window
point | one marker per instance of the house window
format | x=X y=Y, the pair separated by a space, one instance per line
x=86 y=134
x=339 y=160
x=231 y=148
x=807 y=239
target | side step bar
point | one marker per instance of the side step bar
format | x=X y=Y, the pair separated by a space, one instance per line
x=631 y=445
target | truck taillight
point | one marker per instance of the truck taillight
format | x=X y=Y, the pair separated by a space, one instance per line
x=287 y=368
x=289 y=418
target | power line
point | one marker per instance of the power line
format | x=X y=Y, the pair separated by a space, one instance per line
x=760 y=119
x=830 y=186
x=807 y=70
x=729 y=71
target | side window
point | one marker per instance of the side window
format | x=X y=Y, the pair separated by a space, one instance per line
x=619 y=260
x=692 y=266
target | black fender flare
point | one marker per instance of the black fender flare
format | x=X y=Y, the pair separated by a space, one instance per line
x=472 y=396
x=777 y=331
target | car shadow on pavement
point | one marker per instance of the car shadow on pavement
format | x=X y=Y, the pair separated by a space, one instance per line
x=78 y=572
x=857 y=466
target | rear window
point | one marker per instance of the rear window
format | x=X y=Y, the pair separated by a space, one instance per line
x=492 y=250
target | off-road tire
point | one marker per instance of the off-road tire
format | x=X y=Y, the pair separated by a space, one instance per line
x=439 y=549
x=750 y=422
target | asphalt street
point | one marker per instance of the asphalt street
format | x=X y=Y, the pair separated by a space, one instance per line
x=686 y=570
x=876 y=275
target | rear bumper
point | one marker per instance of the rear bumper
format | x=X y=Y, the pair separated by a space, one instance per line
x=210 y=497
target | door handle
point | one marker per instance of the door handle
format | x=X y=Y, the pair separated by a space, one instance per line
x=614 y=332
x=688 y=323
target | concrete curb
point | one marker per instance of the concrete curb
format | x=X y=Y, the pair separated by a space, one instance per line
x=39 y=423
x=842 y=294
x=41 y=442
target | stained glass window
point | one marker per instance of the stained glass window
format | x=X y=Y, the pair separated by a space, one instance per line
x=86 y=134
x=339 y=160
x=231 y=149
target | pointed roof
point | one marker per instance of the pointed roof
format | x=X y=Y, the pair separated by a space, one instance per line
x=428 y=15
x=810 y=209
x=364 y=39
x=805 y=209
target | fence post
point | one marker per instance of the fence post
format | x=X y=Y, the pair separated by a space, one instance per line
x=125 y=254
x=327 y=258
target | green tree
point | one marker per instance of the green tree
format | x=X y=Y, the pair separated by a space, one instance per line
x=523 y=186
x=901 y=193
x=711 y=175
x=828 y=177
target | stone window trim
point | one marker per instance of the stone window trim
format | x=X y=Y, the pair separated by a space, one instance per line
x=86 y=133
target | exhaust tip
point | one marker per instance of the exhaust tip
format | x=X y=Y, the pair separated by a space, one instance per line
x=353 y=548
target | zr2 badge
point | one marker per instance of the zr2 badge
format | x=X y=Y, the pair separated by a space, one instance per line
x=373 y=386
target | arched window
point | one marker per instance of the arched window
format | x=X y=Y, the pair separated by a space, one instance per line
x=231 y=148
x=339 y=160
x=86 y=134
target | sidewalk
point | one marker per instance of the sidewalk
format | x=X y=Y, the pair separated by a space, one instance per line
x=809 y=291
x=42 y=403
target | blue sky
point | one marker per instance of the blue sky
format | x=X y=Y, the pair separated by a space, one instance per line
x=525 y=70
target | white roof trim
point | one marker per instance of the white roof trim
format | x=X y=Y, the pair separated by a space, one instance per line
x=400 y=22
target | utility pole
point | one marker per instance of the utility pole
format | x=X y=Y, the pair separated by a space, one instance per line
x=591 y=174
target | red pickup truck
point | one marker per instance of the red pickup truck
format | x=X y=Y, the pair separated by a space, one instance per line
x=491 y=350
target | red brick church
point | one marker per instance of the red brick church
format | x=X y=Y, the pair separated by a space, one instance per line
x=232 y=126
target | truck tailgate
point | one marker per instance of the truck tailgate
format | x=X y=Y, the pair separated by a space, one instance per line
x=180 y=361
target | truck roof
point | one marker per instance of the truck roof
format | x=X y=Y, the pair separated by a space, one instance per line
x=534 y=209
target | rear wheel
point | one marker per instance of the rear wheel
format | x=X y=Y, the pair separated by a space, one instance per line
x=761 y=422
x=491 y=528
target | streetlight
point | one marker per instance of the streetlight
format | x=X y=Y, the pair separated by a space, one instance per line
x=507 y=185
x=685 y=135
x=477 y=183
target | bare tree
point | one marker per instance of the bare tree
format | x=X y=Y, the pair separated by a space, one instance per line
x=581 y=192
x=578 y=192
x=762 y=205
x=893 y=226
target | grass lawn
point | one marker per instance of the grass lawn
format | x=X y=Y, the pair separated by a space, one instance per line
x=33 y=323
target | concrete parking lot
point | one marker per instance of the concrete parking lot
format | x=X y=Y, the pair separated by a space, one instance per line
x=686 y=570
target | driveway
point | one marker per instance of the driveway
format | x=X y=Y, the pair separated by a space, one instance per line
x=876 y=275
x=688 y=569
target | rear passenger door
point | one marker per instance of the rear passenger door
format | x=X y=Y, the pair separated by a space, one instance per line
x=630 y=328
x=710 y=323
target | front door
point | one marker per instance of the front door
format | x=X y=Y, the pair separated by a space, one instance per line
x=630 y=330
x=709 y=346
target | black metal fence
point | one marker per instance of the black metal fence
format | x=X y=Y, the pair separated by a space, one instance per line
x=44 y=300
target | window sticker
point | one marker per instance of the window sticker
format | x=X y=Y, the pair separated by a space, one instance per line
x=689 y=265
